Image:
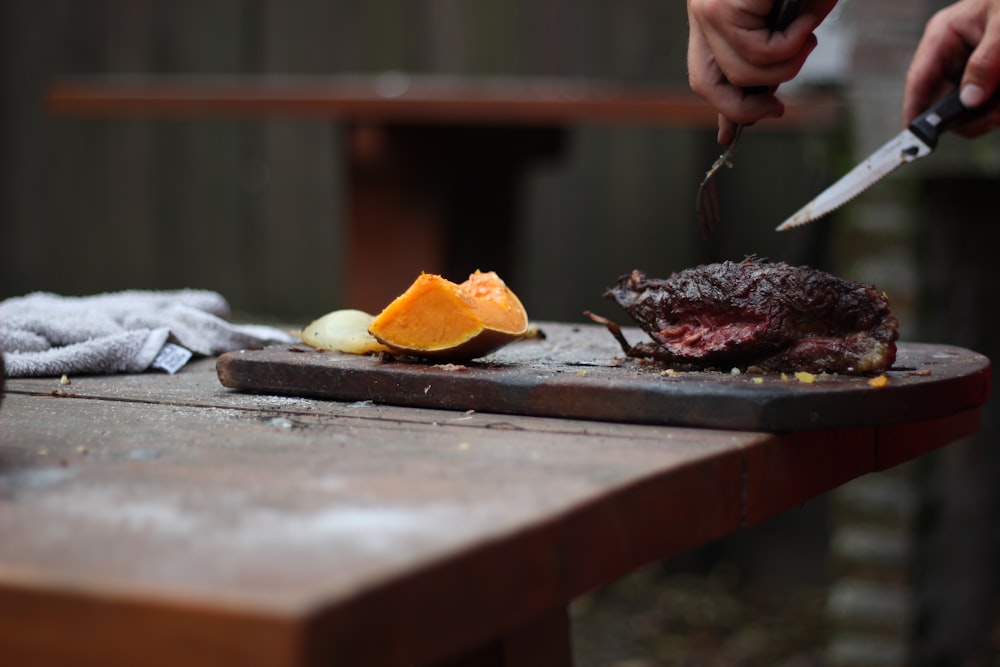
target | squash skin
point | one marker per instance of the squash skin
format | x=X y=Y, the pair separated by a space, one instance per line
x=440 y=320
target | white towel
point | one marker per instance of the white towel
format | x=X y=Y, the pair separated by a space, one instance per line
x=44 y=334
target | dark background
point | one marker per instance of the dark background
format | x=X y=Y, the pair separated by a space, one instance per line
x=256 y=209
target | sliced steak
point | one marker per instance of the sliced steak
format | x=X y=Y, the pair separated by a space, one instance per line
x=759 y=313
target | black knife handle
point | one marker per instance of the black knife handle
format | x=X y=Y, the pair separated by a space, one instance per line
x=945 y=114
x=782 y=14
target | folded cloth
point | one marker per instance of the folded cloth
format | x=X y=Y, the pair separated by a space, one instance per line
x=44 y=334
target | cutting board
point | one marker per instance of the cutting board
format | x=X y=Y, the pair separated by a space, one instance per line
x=579 y=372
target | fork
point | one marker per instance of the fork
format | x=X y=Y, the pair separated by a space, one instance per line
x=707 y=203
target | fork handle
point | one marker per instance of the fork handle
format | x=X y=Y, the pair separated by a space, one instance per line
x=782 y=14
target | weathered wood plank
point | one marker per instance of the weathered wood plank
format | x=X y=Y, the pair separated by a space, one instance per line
x=198 y=386
x=577 y=372
x=225 y=509
x=173 y=514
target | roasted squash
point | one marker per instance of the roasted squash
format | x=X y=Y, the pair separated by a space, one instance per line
x=442 y=320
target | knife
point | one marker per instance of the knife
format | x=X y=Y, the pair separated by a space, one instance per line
x=916 y=141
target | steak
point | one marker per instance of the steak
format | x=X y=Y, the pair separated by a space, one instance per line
x=758 y=313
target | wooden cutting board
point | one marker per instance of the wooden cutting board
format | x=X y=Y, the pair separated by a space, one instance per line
x=578 y=371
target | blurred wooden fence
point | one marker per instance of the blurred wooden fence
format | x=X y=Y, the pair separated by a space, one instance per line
x=255 y=209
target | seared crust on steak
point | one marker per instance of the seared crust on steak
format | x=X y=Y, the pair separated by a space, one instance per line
x=760 y=313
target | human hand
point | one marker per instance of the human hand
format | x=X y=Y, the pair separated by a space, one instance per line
x=960 y=47
x=731 y=48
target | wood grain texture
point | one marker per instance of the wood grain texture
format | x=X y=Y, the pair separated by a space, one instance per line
x=169 y=520
x=578 y=372
x=440 y=529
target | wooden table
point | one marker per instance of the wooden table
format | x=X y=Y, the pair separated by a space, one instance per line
x=435 y=164
x=167 y=520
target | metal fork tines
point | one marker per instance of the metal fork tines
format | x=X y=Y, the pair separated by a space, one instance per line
x=781 y=16
x=707 y=205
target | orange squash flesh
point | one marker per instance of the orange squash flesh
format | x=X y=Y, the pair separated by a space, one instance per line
x=439 y=319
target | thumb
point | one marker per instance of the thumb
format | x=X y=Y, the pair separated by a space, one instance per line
x=982 y=72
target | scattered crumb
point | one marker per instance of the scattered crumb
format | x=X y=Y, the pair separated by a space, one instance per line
x=758 y=380
x=64 y=379
x=879 y=381
x=735 y=371
x=581 y=373
x=451 y=368
x=784 y=377
x=923 y=372
x=82 y=449
x=805 y=378
x=59 y=393
x=670 y=372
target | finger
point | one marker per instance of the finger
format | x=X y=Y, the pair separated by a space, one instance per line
x=727 y=131
x=704 y=75
x=925 y=83
x=707 y=80
x=982 y=72
x=735 y=103
x=941 y=56
x=732 y=102
x=766 y=67
x=980 y=125
x=818 y=9
x=762 y=47
x=745 y=49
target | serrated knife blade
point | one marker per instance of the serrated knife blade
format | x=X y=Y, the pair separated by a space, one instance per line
x=904 y=147
x=916 y=141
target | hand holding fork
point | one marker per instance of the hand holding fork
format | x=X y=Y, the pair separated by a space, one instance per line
x=707 y=205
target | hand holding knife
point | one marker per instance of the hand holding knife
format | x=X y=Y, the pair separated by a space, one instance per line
x=961 y=39
x=916 y=141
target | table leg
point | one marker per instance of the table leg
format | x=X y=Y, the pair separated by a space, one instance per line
x=434 y=198
x=542 y=643
x=395 y=222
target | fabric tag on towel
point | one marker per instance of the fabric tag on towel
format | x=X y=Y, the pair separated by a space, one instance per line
x=171 y=358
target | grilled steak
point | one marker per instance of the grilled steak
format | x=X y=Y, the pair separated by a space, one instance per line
x=758 y=313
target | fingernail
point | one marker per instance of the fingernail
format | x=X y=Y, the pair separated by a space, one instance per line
x=972 y=95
